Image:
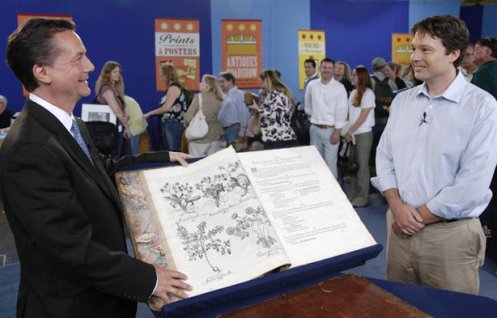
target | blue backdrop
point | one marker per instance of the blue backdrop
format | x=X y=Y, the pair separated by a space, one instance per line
x=123 y=30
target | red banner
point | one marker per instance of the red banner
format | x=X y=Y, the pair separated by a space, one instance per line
x=242 y=51
x=177 y=42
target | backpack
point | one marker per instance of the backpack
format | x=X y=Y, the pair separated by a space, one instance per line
x=383 y=96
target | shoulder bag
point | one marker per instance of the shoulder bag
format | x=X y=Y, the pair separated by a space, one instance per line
x=198 y=127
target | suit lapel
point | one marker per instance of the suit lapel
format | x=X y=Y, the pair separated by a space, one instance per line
x=97 y=162
x=68 y=142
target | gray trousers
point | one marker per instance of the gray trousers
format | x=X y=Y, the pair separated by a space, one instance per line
x=360 y=181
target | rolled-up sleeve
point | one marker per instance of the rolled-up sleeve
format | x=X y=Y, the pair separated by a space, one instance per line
x=469 y=194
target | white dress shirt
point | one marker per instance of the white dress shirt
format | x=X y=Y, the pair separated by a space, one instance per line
x=61 y=115
x=440 y=151
x=326 y=103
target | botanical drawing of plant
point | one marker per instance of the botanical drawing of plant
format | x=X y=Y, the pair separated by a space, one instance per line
x=255 y=221
x=236 y=177
x=196 y=244
x=180 y=195
x=212 y=187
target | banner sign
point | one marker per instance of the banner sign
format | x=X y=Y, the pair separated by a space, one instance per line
x=401 y=48
x=177 y=42
x=242 y=51
x=312 y=45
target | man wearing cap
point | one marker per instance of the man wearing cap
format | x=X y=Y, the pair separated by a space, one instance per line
x=326 y=104
x=485 y=54
x=383 y=99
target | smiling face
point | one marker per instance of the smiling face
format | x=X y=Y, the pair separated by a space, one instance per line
x=430 y=61
x=65 y=81
x=115 y=75
x=326 y=70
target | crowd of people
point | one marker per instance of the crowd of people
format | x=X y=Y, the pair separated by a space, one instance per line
x=432 y=135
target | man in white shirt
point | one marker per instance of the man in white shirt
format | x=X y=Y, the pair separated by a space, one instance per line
x=434 y=164
x=326 y=104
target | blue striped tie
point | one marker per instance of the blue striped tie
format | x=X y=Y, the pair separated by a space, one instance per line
x=79 y=139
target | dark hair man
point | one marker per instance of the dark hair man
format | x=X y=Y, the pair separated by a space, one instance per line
x=311 y=74
x=63 y=210
x=434 y=163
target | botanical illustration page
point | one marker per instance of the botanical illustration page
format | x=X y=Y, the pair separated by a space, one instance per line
x=214 y=225
x=308 y=208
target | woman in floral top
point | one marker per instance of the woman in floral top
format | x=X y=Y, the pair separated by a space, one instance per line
x=275 y=112
x=173 y=107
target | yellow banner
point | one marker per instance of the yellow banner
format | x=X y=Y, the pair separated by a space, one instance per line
x=401 y=48
x=312 y=45
x=177 y=42
x=241 y=42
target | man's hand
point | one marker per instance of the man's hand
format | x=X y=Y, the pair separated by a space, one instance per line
x=335 y=137
x=397 y=230
x=407 y=219
x=170 y=284
x=179 y=157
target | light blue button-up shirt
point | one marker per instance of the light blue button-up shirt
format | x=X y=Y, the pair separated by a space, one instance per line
x=233 y=110
x=440 y=151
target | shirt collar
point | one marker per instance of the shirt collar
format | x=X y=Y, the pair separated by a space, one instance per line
x=453 y=93
x=61 y=115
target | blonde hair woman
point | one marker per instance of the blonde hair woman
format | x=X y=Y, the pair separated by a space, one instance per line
x=212 y=96
x=173 y=108
x=110 y=91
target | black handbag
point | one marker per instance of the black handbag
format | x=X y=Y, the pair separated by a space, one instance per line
x=346 y=163
x=300 y=125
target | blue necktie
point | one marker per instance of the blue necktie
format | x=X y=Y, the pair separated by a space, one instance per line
x=79 y=139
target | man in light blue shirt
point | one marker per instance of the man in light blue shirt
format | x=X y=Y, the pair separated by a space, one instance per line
x=233 y=114
x=434 y=164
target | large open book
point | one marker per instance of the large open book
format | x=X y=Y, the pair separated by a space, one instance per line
x=232 y=217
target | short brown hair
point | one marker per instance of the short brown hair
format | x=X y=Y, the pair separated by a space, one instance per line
x=452 y=31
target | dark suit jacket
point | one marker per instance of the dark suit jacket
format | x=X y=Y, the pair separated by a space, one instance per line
x=66 y=219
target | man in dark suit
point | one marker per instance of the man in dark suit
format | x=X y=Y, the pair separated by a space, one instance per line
x=63 y=210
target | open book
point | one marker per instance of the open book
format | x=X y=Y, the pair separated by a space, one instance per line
x=232 y=217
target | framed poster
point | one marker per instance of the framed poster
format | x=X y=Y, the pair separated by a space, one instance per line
x=97 y=112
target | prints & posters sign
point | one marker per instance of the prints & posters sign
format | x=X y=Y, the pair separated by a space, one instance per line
x=177 y=42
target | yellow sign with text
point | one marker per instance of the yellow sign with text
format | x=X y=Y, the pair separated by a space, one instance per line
x=401 y=48
x=312 y=45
